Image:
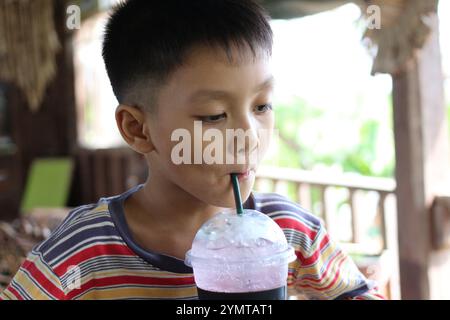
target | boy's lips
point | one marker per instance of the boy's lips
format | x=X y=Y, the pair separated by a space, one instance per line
x=245 y=174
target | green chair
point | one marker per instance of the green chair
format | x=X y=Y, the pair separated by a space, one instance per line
x=48 y=184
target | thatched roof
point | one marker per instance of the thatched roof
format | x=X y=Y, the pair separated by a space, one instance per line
x=28 y=45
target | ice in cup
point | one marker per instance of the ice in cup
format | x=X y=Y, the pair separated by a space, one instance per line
x=242 y=256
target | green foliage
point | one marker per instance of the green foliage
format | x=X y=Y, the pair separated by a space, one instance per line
x=347 y=140
x=309 y=136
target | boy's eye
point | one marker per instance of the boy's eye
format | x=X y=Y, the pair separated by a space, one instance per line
x=217 y=118
x=264 y=108
x=213 y=119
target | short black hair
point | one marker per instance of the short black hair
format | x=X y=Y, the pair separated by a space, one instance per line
x=146 y=40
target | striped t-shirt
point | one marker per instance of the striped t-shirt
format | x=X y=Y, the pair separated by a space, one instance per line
x=92 y=255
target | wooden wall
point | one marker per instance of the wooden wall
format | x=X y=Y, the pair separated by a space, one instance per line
x=104 y=173
x=49 y=132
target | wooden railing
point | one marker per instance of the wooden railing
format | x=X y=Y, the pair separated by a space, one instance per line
x=313 y=191
x=301 y=185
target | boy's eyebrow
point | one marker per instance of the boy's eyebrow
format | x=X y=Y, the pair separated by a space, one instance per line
x=223 y=95
x=269 y=83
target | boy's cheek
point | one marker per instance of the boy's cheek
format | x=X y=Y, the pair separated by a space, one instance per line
x=265 y=138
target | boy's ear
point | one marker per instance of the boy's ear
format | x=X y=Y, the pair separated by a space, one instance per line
x=134 y=128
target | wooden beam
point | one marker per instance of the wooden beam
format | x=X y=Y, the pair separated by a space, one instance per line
x=422 y=159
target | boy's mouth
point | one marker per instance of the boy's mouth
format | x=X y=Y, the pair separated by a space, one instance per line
x=245 y=174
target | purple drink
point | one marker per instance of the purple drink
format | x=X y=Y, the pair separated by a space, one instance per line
x=240 y=256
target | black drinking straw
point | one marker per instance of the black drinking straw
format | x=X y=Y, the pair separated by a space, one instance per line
x=237 y=193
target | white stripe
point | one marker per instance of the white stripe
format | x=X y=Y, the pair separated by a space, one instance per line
x=36 y=283
x=264 y=204
x=18 y=287
x=268 y=196
x=73 y=250
x=86 y=216
x=39 y=258
x=92 y=226
x=85 y=248
x=295 y=216
x=70 y=218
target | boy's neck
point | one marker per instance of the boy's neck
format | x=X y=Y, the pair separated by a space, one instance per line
x=164 y=205
x=163 y=218
x=172 y=205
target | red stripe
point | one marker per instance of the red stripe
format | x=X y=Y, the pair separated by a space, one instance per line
x=290 y=223
x=292 y=277
x=372 y=293
x=42 y=280
x=379 y=296
x=325 y=273
x=312 y=259
x=336 y=276
x=95 y=251
x=130 y=280
x=14 y=292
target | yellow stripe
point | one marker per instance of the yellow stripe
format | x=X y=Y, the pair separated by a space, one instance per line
x=330 y=275
x=295 y=264
x=120 y=272
x=31 y=289
x=45 y=271
x=5 y=295
x=324 y=256
x=142 y=293
x=99 y=208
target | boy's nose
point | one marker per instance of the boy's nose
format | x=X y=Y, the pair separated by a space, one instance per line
x=246 y=139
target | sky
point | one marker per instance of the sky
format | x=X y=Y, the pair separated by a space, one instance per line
x=324 y=51
x=320 y=52
x=322 y=60
x=444 y=15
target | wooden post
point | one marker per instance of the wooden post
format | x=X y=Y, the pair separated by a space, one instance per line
x=422 y=160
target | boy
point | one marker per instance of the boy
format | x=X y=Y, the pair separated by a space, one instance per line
x=174 y=64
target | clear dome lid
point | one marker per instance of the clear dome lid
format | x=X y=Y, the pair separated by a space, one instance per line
x=232 y=238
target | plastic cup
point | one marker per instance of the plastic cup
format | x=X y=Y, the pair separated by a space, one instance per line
x=240 y=257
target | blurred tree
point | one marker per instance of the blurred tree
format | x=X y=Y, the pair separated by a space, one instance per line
x=309 y=136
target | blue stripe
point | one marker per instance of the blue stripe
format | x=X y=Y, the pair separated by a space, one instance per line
x=107 y=265
x=70 y=217
x=20 y=290
x=77 y=238
x=293 y=216
x=69 y=227
x=138 y=286
x=71 y=250
x=354 y=293
x=300 y=213
x=42 y=289
x=82 y=222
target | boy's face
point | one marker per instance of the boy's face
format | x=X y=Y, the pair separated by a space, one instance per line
x=218 y=95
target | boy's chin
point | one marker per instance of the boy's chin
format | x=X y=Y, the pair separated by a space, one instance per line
x=227 y=200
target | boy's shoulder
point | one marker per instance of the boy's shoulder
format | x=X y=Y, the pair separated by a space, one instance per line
x=85 y=228
x=289 y=215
